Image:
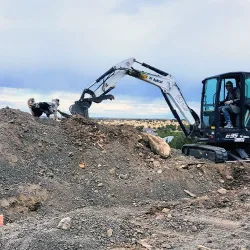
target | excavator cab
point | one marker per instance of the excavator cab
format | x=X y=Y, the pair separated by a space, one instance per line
x=235 y=140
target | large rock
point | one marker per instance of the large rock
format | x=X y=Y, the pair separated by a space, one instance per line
x=157 y=145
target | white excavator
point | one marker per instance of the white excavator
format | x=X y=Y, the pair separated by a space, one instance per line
x=214 y=142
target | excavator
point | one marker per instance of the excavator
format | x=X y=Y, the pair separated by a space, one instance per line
x=212 y=140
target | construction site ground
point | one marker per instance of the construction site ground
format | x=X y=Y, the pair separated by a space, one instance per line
x=114 y=191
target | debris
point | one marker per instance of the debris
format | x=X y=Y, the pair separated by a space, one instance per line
x=70 y=154
x=100 y=146
x=159 y=216
x=222 y=191
x=40 y=144
x=80 y=194
x=11 y=121
x=109 y=232
x=123 y=176
x=186 y=166
x=221 y=181
x=65 y=223
x=229 y=177
x=156 y=164
x=183 y=166
x=51 y=175
x=200 y=247
x=166 y=246
x=189 y=193
x=165 y=210
x=1 y=220
x=35 y=206
x=82 y=165
x=112 y=171
x=145 y=244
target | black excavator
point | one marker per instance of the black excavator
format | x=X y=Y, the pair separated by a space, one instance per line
x=213 y=140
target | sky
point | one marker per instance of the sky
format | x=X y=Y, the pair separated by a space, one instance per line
x=55 y=49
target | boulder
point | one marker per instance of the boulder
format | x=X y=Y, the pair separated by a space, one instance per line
x=157 y=145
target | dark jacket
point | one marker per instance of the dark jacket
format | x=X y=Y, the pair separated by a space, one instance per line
x=234 y=96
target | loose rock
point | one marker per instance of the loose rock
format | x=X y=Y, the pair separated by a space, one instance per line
x=222 y=191
x=65 y=223
x=110 y=232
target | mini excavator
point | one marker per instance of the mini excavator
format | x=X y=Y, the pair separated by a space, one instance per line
x=212 y=140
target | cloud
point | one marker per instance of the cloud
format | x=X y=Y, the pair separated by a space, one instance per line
x=121 y=107
x=184 y=37
x=64 y=45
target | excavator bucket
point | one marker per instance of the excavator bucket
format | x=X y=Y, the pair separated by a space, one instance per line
x=80 y=108
x=106 y=83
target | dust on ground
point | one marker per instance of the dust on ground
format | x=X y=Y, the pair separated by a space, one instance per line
x=117 y=193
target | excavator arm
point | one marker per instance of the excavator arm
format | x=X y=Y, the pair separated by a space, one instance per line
x=98 y=91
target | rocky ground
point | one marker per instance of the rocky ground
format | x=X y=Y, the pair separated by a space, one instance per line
x=111 y=191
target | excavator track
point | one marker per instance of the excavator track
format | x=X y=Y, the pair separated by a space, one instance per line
x=212 y=153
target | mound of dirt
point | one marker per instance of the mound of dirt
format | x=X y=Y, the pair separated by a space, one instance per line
x=111 y=185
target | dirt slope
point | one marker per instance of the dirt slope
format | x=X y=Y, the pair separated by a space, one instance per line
x=114 y=190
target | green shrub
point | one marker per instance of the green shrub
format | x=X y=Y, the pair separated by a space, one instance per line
x=179 y=138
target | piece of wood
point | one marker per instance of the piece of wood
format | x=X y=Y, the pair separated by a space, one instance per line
x=189 y=193
x=200 y=247
x=185 y=166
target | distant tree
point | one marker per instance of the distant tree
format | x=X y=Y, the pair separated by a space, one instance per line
x=179 y=140
x=140 y=128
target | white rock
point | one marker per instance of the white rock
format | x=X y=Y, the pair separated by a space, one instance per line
x=110 y=232
x=165 y=210
x=222 y=191
x=65 y=223
x=156 y=164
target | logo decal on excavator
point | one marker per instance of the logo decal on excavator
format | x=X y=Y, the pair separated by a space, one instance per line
x=231 y=136
x=155 y=79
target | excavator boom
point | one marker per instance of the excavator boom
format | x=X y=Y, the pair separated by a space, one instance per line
x=98 y=91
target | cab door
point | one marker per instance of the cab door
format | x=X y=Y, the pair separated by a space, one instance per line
x=208 y=113
x=247 y=102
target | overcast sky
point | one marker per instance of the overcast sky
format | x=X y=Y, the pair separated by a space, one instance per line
x=57 y=48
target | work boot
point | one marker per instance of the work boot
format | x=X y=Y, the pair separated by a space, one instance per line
x=229 y=125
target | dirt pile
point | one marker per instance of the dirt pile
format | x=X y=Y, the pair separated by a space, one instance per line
x=111 y=185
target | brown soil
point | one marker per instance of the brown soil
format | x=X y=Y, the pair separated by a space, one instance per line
x=118 y=193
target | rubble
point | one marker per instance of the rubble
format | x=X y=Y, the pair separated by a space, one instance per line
x=102 y=179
